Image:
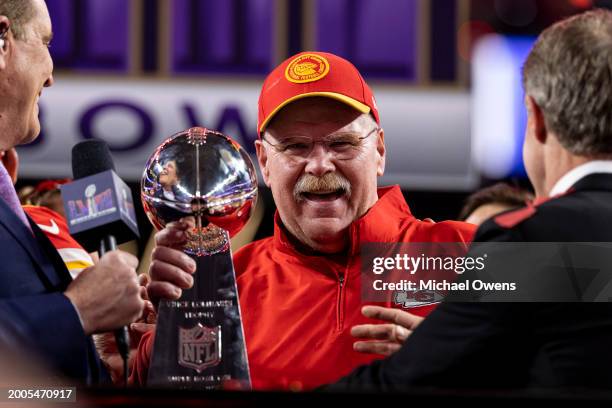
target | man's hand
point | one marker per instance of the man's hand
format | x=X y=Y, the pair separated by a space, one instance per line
x=385 y=338
x=107 y=295
x=170 y=269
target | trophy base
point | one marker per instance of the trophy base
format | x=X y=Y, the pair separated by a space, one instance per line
x=199 y=341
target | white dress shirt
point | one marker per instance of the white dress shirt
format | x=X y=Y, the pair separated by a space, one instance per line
x=577 y=173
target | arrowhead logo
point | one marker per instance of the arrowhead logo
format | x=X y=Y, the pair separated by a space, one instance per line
x=307 y=68
x=51 y=229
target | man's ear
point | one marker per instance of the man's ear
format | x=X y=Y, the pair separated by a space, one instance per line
x=381 y=152
x=536 y=124
x=262 y=158
x=5 y=40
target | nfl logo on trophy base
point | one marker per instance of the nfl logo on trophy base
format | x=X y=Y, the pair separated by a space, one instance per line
x=199 y=347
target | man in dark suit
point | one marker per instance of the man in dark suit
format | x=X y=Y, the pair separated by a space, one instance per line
x=568 y=156
x=50 y=315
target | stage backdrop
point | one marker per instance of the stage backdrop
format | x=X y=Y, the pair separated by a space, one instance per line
x=427 y=134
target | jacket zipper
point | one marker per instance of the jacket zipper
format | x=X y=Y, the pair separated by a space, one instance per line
x=340 y=306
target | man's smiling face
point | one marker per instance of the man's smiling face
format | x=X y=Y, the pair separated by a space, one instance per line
x=321 y=187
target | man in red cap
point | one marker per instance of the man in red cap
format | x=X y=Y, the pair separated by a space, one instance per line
x=321 y=149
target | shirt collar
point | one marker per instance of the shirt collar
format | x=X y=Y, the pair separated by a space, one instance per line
x=577 y=173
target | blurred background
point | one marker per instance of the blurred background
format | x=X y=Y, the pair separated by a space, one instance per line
x=446 y=75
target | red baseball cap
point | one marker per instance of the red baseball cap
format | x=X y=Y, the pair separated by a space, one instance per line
x=313 y=73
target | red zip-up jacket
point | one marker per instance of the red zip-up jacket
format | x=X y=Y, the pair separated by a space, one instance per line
x=298 y=310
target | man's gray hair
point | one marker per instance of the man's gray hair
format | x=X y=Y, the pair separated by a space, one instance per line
x=19 y=12
x=569 y=75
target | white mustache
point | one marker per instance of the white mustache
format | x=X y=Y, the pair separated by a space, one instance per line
x=326 y=183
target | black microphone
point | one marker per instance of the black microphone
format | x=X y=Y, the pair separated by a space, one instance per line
x=100 y=210
x=97 y=203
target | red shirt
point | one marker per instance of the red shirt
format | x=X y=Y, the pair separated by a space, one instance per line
x=55 y=228
x=297 y=310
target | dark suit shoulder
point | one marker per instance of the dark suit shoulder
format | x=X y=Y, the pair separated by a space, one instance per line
x=491 y=231
x=576 y=216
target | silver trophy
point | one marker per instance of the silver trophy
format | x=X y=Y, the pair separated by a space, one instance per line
x=206 y=179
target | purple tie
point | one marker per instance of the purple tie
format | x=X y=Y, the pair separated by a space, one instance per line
x=9 y=195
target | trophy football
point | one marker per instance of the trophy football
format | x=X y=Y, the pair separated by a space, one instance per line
x=206 y=179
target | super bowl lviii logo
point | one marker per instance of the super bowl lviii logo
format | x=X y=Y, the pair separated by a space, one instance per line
x=307 y=68
x=199 y=347
x=92 y=205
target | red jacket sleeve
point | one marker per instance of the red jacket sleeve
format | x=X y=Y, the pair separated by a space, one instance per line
x=140 y=366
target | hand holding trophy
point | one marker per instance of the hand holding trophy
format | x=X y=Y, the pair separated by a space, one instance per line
x=207 y=180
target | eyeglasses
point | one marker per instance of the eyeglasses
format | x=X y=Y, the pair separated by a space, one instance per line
x=343 y=146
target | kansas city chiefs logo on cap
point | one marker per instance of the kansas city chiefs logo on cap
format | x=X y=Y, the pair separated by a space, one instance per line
x=307 y=68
